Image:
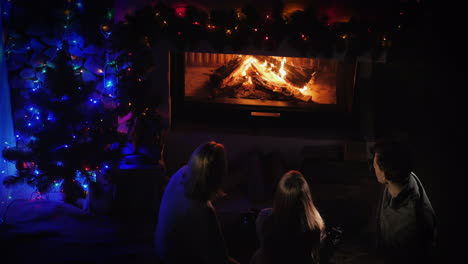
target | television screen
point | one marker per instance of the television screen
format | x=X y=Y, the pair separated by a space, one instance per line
x=258 y=80
x=240 y=88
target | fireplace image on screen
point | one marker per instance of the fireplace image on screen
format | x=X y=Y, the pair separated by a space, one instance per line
x=257 y=80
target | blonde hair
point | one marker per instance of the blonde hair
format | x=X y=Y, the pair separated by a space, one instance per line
x=293 y=202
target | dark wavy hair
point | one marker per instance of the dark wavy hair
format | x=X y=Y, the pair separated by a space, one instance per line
x=394 y=159
x=206 y=168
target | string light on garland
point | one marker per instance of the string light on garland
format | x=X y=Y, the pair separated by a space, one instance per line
x=181 y=12
x=386 y=43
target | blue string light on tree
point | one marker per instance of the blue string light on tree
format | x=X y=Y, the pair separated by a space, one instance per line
x=61 y=136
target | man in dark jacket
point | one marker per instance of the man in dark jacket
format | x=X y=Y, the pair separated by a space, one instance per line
x=406 y=219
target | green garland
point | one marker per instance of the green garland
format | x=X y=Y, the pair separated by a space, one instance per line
x=241 y=29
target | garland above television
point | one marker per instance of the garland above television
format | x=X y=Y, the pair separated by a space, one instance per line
x=401 y=31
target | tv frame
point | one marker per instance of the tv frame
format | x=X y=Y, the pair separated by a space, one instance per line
x=318 y=115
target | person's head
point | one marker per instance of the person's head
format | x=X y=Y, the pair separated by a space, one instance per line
x=206 y=168
x=392 y=162
x=293 y=202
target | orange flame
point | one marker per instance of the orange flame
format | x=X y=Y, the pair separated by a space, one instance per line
x=271 y=74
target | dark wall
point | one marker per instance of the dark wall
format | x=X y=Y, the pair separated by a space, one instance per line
x=403 y=97
x=406 y=103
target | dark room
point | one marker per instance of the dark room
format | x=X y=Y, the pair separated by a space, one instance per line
x=235 y=131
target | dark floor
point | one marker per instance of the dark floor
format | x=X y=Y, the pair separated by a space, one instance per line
x=53 y=232
x=43 y=231
x=237 y=216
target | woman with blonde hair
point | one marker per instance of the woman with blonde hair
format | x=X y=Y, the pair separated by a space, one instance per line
x=291 y=231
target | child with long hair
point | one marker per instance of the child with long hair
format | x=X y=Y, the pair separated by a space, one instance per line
x=291 y=231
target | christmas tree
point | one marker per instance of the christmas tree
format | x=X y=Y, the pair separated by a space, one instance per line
x=71 y=145
x=64 y=98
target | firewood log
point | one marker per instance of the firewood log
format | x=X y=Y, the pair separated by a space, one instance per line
x=294 y=75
